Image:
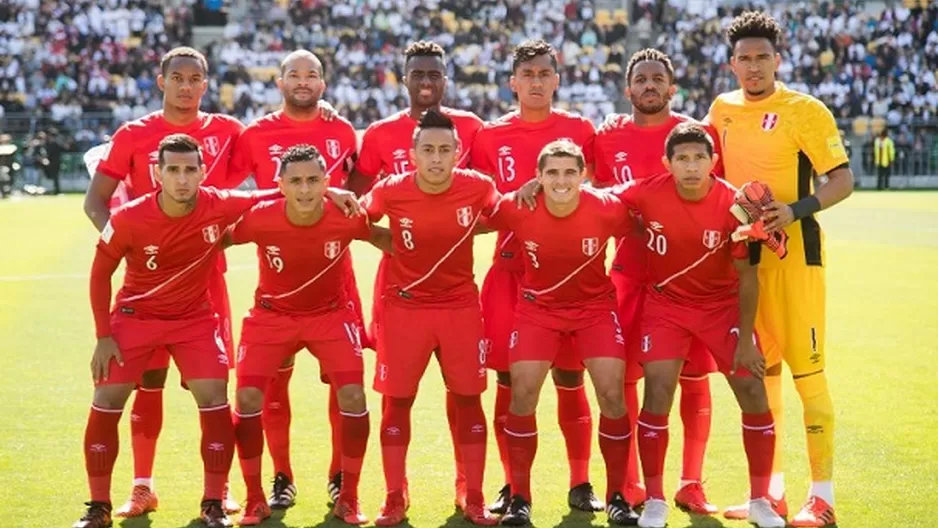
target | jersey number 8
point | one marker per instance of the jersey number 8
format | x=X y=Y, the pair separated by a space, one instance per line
x=408 y=238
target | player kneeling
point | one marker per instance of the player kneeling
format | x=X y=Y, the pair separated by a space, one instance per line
x=701 y=287
x=565 y=292
x=300 y=302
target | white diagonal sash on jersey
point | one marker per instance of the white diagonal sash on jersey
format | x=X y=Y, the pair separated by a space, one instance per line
x=310 y=281
x=219 y=156
x=338 y=160
x=462 y=158
x=696 y=263
x=467 y=234
x=567 y=278
x=171 y=279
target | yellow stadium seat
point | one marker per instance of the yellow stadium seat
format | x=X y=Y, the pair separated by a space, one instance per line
x=861 y=126
x=264 y=73
x=226 y=95
x=877 y=124
x=132 y=42
x=603 y=17
x=621 y=15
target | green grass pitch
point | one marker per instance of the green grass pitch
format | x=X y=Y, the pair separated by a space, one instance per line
x=882 y=250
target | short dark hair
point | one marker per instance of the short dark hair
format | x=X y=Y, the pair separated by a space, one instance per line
x=651 y=55
x=433 y=118
x=561 y=148
x=183 y=51
x=686 y=133
x=754 y=24
x=424 y=48
x=529 y=50
x=301 y=152
x=181 y=143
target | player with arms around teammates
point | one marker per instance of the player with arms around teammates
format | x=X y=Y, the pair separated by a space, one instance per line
x=783 y=137
x=258 y=152
x=170 y=240
x=431 y=305
x=301 y=302
x=130 y=161
x=507 y=149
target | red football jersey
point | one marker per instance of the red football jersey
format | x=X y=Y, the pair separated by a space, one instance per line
x=624 y=152
x=386 y=144
x=566 y=257
x=132 y=153
x=260 y=146
x=301 y=270
x=507 y=149
x=169 y=260
x=690 y=253
x=432 y=235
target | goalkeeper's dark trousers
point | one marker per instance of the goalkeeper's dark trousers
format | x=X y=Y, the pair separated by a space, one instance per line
x=882 y=177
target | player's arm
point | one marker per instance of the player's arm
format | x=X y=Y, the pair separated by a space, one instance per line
x=747 y=355
x=112 y=247
x=380 y=238
x=107 y=166
x=98 y=199
x=367 y=166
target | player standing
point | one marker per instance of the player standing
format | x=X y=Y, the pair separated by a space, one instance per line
x=783 y=137
x=565 y=293
x=130 y=160
x=431 y=303
x=632 y=148
x=258 y=152
x=385 y=151
x=507 y=150
x=301 y=302
x=170 y=240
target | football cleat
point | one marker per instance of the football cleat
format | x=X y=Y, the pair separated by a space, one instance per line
x=655 y=514
x=620 y=512
x=394 y=511
x=142 y=500
x=816 y=512
x=334 y=487
x=255 y=512
x=231 y=505
x=98 y=515
x=500 y=506
x=581 y=497
x=348 y=510
x=691 y=498
x=519 y=512
x=283 y=494
x=476 y=514
x=762 y=515
x=635 y=494
x=741 y=512
x=213 y=515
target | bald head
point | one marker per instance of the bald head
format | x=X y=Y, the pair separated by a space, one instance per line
x=300 y=58
x=301 y=82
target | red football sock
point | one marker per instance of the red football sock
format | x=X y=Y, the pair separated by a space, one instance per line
x=276 y=418
x=146 y=422
x=502 y=401
x=249 y=435
x=335 y=425
x=576 y=424
x=759 y=442
x=614 y=439
x=218 y=445
x=653 y=446
x=355 y=429
x=471 y=434
x=695 y=413
x=631 y=405
x=395 y=438
x=102 y=443
x=452 y=418
x=522 y=447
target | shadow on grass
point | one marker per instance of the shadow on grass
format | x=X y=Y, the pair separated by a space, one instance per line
x=142 y=521
x=577 y=518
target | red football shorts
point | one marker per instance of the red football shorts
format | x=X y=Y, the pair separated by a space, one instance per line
x=669 y=329
x=499 y=300
x=218 y=294
x=408 y=336
x=630 y=297
x=543 y=334
x=194 y=344
x=269 y=338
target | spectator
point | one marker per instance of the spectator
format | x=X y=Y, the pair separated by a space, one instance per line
x=884 y=154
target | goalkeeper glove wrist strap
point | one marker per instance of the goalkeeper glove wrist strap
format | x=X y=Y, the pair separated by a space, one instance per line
x=805 y=207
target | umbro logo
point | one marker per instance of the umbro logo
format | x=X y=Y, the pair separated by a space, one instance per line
x=621 y=156
x=275 y=150
x=656 y=226
x=407 y=223
x=504 y=151
x=399 y=154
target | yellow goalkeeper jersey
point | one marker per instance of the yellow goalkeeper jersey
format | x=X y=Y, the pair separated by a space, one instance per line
x=782 y=140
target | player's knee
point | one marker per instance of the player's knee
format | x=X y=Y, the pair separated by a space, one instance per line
x=814 y=393
x=112 y=396
x=351 y=399
x=750 y=393
x=570 y=379
x=209 y=392
x=611 y=400
x=503 y=378
x=523 y=399
x=659 y=392
x=154 y=379
x=249 y=400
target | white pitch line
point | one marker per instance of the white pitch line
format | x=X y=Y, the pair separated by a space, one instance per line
x=74 y=276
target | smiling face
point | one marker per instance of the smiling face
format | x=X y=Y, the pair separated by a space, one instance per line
x=755 y=62
x=650 y=89
x=561 y=177
x=434 y=155
x=304 y=185
x=535 y=81
x=301 y=82
x=425 y=78
x=183 y=83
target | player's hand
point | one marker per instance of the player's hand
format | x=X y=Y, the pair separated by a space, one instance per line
x=749 y=357
x=327 y=112
x=527 y=194
x=104 y=351
x=346 y=201
x=777 y=216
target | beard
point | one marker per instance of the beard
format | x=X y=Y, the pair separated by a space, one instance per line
x=652 y=108
x=305 y=104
